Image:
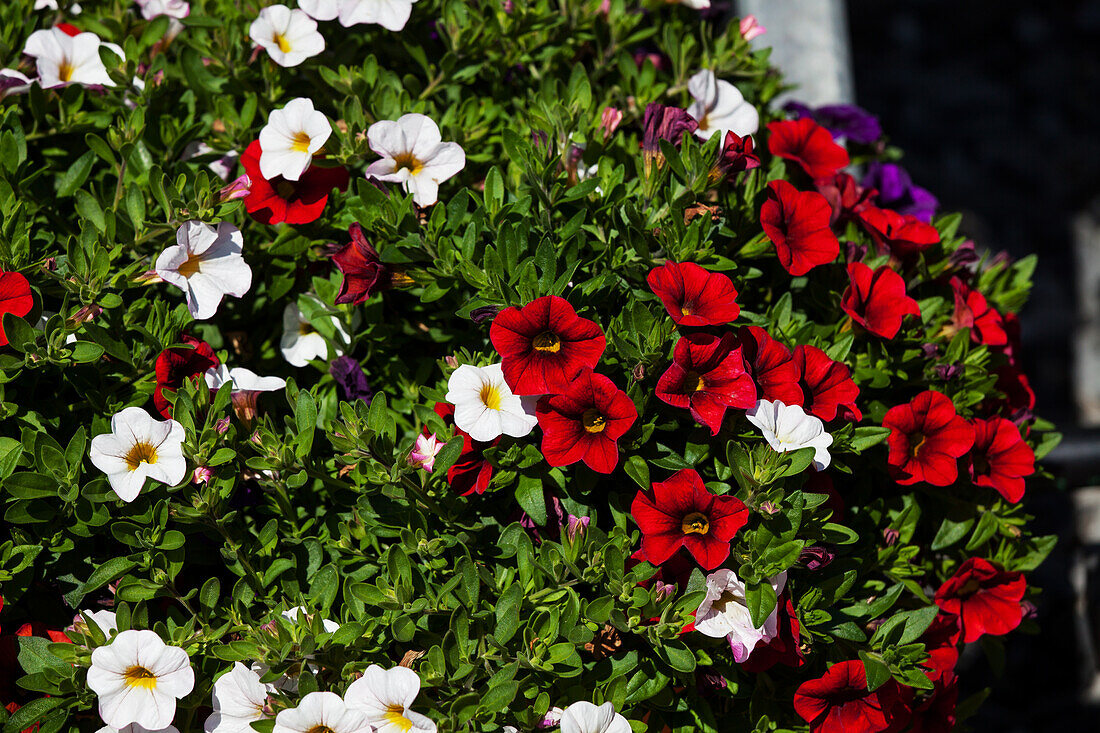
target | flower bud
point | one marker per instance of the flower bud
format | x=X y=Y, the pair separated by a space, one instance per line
x=750 y=28
x=890 y=536
x=238 y=189
x=577 y=526
x=661 y=591
x=484 y=313
x=202 y=475
x=222 y=426
x=609 y=120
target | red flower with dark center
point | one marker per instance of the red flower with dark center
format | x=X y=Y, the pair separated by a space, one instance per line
x=784 y=649
x=845 y=195
x=693 y=296
x=876 y=299
x=706 y=376
x=903 y=235
x=839 y=701
x=771 y=365
x=809 y=144
x=1000 y=459
x=585 y=422
x=15 y=298
x=941 y=641
x=293 y=202
x=680 y=512
x=973 y=311
x=737 y=154
x=827 y=386
x=797 y=223
x=984 y=597
x=926 y=438
x=1016 y=388
x=471 y=473
x=544 y=344
x=363 y=270
x=176 y=365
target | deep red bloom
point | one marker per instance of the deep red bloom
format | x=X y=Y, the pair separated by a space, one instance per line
x=68 y=29
x=585 y=422
x=839 y=702
x=680 y=512
x=1017 y=389
x=827 y=386
x=544 y=344
x=706 y=376
x=797 y=222
x=984 y=597
x=1000 y=459
x=845 y=195
x=363 y=270
x=941 y=641
x=771 y=365
x=808 y=144
x=693 y=296
x=178 y=364
x=737 y=154
x=936 y=713
x=876 y=299
x=973 y=311
x=15 y=298
x=903 y=235
x=926 y=438
x=293 y=202
x=471 y=473
x=783 y=649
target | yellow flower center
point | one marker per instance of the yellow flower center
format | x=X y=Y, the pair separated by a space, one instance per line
x=301 y=142
x=139 y=676
x=281 y=41
x=685 y=309
x=65 y=70
x=695 y=523
x=142 y=452
x=694 y=383
x=547 y=342
x=395 y=716
x=490 y=396
x=320 y=729
x=916 y=441
x=191 y=266
x=593 y=421
x=407 y=161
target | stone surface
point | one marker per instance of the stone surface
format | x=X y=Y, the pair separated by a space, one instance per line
x=1086 y=376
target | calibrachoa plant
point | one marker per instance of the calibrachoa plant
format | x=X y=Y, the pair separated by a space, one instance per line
x=482 y=365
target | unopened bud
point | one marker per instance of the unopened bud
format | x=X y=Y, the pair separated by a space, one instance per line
x=768 y=507
x=890 y=536
x=238 y=189
x=450 y=361
x=222 y=426
x=577 y=526
x=661 y=591
x=202 y=475
x=638 y=372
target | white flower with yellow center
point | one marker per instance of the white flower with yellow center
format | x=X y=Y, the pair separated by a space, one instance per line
x=584 y=717
x=720 y=107
x=238 y=700
x=290 y=138
x=104 y=620
x=322 y=712
x=788 y=427
x=725 y=612
x=485 y=406
x=206 y=264
x=138 y=679
x=63 y=59
x=302 y=343
x=135 y=728
x=413 y=155
x=385 y=695
x=139 y=447
x=289 y=36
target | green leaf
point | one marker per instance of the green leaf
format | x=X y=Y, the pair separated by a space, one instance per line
x=508 y=613
x=529 y=496
x=878 y=673
x=75 y=176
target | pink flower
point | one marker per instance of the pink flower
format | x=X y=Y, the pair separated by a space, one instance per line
x=202 y=475
x=238 y=189
x=610 y=120
x=424 y=452
x=750 y=29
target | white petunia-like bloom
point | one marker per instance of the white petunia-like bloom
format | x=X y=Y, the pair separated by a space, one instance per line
x=289 y=36
x=178 y=9
x=291 y=614
x=13 y=82
x=103 y=619
x=206 y=264
x=413 y=155
x=321 y=711
x=238 y=700
x=788 y=427
x=135 y=728
x=290 y=138
x=725 y=612
x=138 y=679
x=139 y=447
x=390 y=14
x=485 y=406
x=584 y=717
x=301 y=343
x=63 y=59
x=384 y=696
x=696 y=4
x=720 y=107
x=321 y=9
x=243 y=380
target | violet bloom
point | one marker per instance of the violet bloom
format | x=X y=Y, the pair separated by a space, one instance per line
x=896 y=191
x=665 y=123
x=965 y=255
x=842 y=120
x=815 y=558
x=351 y=380
x=484 y=313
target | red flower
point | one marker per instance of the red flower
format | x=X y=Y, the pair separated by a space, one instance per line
x=903 y=235
x=974 y=312
x=876 y=299
x=808 y=144
x=471 y=473
x=926 y=438
x=1000 y=459
x=693 y=296
x=839 y=701
x=827 y=385
x=363 y=269
x=544 y=344
x=737 y=155
x=771 y=366
x=180 y=363
x=706 y=376
x=680 y=512
x=936 y=714
x=845 y=195
x=584 y=422
x=984 y=597
x=15 y=298
x=1016 y=388
x=797 y=222
x=941 y=641
x=293 y=202
x=783 y=649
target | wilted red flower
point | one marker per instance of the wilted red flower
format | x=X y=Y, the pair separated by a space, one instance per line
x=584 y=422
x=293 y=202
x=839 y=701
x=783 y=649
x=693 y=296
x=471 y=473
x=941 y=641
x=680 y=512
x=737 y=154
x=926 y=438
x=809 y=144
x=984 y=597
x=973 y=311
x=902 y=235
x=827 y=386
x=876 y=299
x=15 y=298
x=178 y=364
x=665 y=123
x=845 y=195
x=544 y=344
x=797 y=222
x=1000 y=459
x=771 y=365
x=706 y=376
x=363 y=270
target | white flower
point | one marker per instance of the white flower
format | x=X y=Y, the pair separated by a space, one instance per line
x=135 y=728
x=485 y=406
x=206 y=264
x=138 y=679
x=719 y=107
x=414 y=156
x=13 y=82
x=63 y=59
x=150 y=9
x=238 y=700
x=788 y=427
x=384 y=696
x=301 y=343
x=584 y=717
x=390 y=14
x=139 y=447
x=52 y=5
x=290 y=138
x=289 y=36
x=104 y=619
x=725 y=612
x=321 y=711
x=291 y=614
x=243 y=380
x=696 y=4
x=321 y=9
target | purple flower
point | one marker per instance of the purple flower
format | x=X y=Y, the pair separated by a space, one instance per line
x=842 y=120
x=351 y=380
x=947 y=372
x=665 y=123
x=965 y=255
x=815 y=557
x=484 y=313
x=896 y=191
